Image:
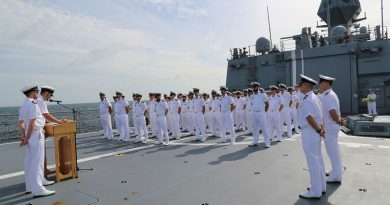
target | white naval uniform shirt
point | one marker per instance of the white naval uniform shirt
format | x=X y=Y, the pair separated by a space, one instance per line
x=248 y=104
x=240 y=103
x=207 y=104
x=161 y=107
x=120 y=107
x=329 y=102
x=185 y=107
x=139 y=108
x=299 y=95
x=286 y=97
x=294 y=99
x=215 y=105
x=226 y=102
x=310 y=106
x=373 y=96
x=29 y=111
x=103 y=107
x=42 y=105
x=198 y=104
x=274 y=103
x=257 y=101
x=151 y=106
x=174 y=106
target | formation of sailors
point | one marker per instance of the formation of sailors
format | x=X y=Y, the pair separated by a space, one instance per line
x=253 y=110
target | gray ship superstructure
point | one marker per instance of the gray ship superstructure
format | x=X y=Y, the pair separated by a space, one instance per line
x=358 y=56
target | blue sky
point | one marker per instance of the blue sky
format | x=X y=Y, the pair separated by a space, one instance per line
x=83 y=47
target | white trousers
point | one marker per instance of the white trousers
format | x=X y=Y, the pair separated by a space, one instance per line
x=117 y=124
x=294 y=117
x=207 y=121
x=274 y=123
x=123 y=120
x=169 y=124
x=285 y=118
x=135 y=124
x=215 y=122
x=333 y=150
x=235 y=118
x=227 y=123
x=371 y=108
x=248 y=120
x=200 y=130
x=189 y=122
x=142 y=130
x=311 y=143
x=34 y=163
x=153 y=124
x=107 y=126
x=162 y=128
x=174 y=120
x=240 y=119
x=260 y=122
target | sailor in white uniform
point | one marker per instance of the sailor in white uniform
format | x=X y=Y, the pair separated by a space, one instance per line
x=167 y=99
x=215 y=114
x=123 y=118
x=293 y=109
x=31 y=123
x=227 y=106
x=105 y=111
x=273 y=113
x=180 y=98
x=152 y=115
x=248 y=110
x=161 y=112
x=207 y=114
x=310 y=116
x=240 y=111
x=174 y=115
x=260 y=104
x=332 y=121
x=285 y=114
x=184 y=114
x=116 y=119
x=371 y=104
x=191 y=118
x=140 y=110
x=134 y=117
x=45 y=95
x=199 y=110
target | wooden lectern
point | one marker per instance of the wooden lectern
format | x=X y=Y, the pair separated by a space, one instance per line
x=64 y=149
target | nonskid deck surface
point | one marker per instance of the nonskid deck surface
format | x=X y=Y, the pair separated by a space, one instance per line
x=186 y=173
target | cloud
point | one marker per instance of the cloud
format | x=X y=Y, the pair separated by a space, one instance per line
x=179 y=8
x=78 y=54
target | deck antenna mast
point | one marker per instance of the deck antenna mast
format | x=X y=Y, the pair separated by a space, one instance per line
x=328 y=16
x=383 y=36
x=269 y=25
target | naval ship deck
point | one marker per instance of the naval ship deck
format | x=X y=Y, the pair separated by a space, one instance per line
x=187 y=173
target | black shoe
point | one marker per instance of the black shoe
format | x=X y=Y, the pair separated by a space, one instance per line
x=252 y=145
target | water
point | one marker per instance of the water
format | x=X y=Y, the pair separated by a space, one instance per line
x=86 y=115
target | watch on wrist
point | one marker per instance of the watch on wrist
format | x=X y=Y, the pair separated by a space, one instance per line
x=319 y=130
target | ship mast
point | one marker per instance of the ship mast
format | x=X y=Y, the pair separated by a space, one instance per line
x=383 y=35
x=269 y=26
x=328 y=15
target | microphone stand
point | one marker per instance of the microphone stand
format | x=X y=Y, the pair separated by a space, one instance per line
x=75 y=112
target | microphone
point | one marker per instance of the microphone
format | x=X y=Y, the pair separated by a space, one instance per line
x=57 y=101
